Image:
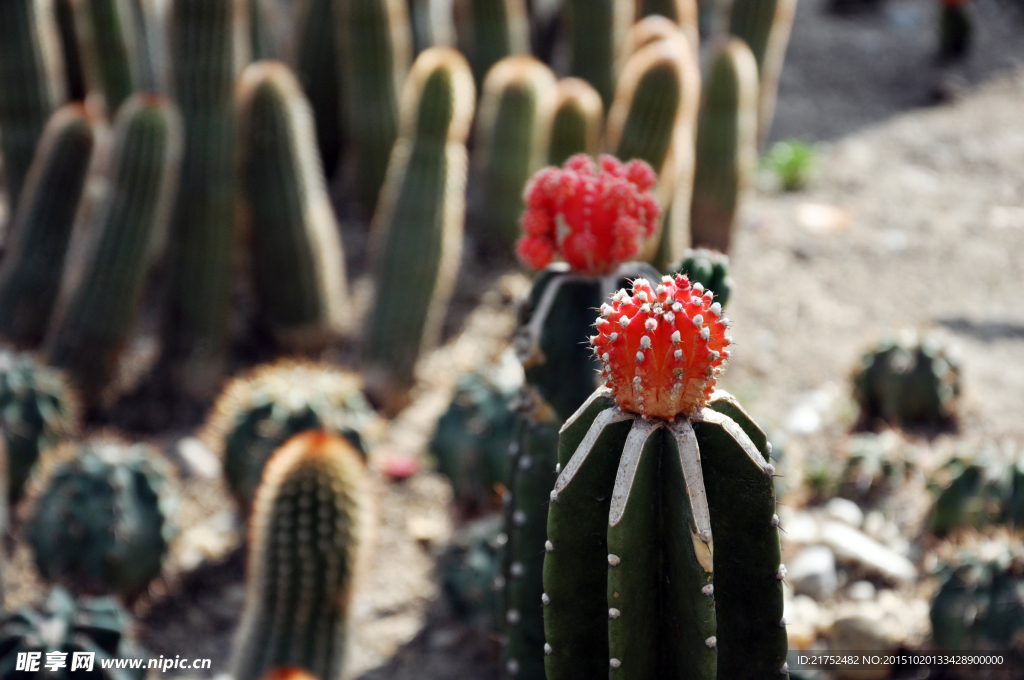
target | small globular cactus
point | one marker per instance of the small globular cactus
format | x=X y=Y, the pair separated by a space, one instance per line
x=597 y=31
x=297 y=261
x=980 y=604
x=99 y=519
x=577 y=123
x=663 y=554
x=709 y=268
x=308 y=536
x=978 y=491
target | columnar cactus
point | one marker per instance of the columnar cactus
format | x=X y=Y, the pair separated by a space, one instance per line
x=308 y=531
x=317 y=63
x=726 y=157
x=492 y=30
x=127 y=228
x=376 y=47
x=99 y=518
x=764 y=25
x=663 y=555
x=260 y=41
x=512 y=130
x=977 y=492
x=709 y=268
x=37 y=411
x=74 y=73
x=577 y=122
x=202 y=54
x=111 y=49
x=980 y=605
x=681 y=12
x=30 y=69
x=297 y=261
x=37 y=240
x=419 y=223
x=597 y=33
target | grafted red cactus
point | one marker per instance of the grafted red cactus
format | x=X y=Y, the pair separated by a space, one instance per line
x=662 y=347
x=594 y=215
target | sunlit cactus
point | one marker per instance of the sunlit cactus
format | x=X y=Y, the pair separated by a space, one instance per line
x=709 y=268
x=491 y=30
x=309 y=530
x=317 y=64
x=111 y=49
x=577 y=123
x=596 y=33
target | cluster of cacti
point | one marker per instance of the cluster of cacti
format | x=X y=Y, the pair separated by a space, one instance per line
x=662 y=554
x=419 y=222
x=308 y=532
x=978 y=491
x=100 y=517
x=470 y=572
x=709 y=268
x=94 y=626
x=258 y=412
x=297 y=261
x=980 y=604
x=906 y=381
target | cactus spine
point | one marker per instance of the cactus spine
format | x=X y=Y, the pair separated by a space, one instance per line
x=726 y=146
x=30 y=69
x=597 y=33
x=297 y=259
x=74 y=74
x=512 y=130
x=318 y=65
x=493 y=30
x=419 y=222
x=576 y=125
x=110 y=49
x=376 y=48
x=101 y=297
x=309 y=526
x=31 y=270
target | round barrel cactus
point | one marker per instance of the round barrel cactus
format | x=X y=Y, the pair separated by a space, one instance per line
x=980 y=604
x=709 y=268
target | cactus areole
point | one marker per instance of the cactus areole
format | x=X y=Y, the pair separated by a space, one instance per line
x=595 y=216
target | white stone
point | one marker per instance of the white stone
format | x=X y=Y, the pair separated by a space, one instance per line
x=845 y=511
x=813 y=572
x=850 y=545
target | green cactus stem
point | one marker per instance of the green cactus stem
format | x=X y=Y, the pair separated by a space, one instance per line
x=491 y=30
x=577 y=122
x=979 y=605
x=709 y=268
x=597 y=32
x=376 y=47
x=419 y=223
x=317 y=64
x=512 y=129
x=74 y=73
x=111 y=49
x=726 y=156
x=30 y=69
x=127 y=228
x=683 y=13
x=31 y=269
x=764 y=25
x=297 y=261
x=309 y=526
x=261 y=44
x=99 y=518
x=202 y=49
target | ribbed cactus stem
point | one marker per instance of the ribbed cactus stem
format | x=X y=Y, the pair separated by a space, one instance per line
x=512 y=130
x=31 y=270
x=317 y=63
x=74 y=73
x=111 y=49
x=491 y=31
x=297 y=261
x=765 y=26
x=726 y=146
x=376 y=47
x=101 y=295
x=31 y=72
x=577 y=123
x=597 y=33
x=308 y=530
x=419 y=222
x=682 y=13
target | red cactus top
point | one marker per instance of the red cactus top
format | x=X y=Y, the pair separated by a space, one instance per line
x=594 y=215
x=662 y=347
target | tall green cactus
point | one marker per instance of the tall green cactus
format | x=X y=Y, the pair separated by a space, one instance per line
x=111 y=49
x=726 y=146
x=202 y=36
x=683 y=13
x=30 y=70
x=317 y=63
x=765 y=26
x=663 y=554
x=376 y=47
x=492 y=30
x=577 y=122
x=419 y=222
x=597 y=33
x=308 y=528
x=512 y=130
x=74 y=73
x=100 y=300
x=297 y=261
x=31 y=269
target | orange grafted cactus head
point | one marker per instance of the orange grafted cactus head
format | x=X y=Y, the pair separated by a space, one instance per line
x=594 y=215
x=662 y=347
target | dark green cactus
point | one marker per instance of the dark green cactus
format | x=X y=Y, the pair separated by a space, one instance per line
x=74 y=73
x=100 y=519
x=96 y=313
x=577 y=122
x=37 y=411
x=111 y=49
x=258 y=412
x=376 y=47
x=978 y=491
x=308 y=528
x=297 y=261
x=492 y=30
x=597 y=33
x=512 y=129
x=261 y=44
x=317 y=64
x=89 y=625
x=203 y=67
x=37 y=242
x=30 y=69
x=419 y=222
x=904 y=381
x=980 y=604
x=470 y=570
x=709 y=268
x=726 y=155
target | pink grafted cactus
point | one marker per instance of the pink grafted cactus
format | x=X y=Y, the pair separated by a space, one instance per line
x=595 y=216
